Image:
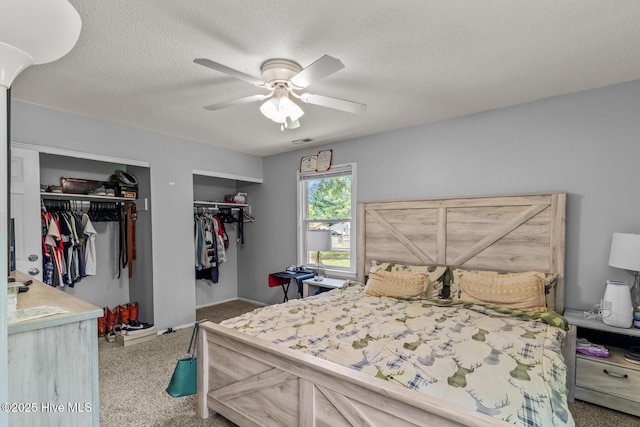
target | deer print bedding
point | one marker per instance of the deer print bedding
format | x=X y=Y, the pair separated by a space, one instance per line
x=500 y=362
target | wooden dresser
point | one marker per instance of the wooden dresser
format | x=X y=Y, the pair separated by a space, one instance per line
x=53 y=362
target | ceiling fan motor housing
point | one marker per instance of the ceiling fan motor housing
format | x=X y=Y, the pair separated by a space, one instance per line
x=279 y=70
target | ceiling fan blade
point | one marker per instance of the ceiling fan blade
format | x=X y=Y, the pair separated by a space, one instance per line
x=234 y=102
x=336 y=103
x=230 y=71
x=318 y=70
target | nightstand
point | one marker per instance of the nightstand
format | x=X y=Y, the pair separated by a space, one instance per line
x=612 y=382
x=310 y=286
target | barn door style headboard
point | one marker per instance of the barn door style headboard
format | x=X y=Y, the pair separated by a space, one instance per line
x=500 y=233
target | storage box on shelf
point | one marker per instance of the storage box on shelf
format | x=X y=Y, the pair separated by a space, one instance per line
x=127 y=191
x=89 y=187
x=79 y=185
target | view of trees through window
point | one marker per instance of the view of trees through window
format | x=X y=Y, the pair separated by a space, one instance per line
x=329 y=208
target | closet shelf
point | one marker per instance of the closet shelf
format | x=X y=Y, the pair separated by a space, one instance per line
x=67 y=196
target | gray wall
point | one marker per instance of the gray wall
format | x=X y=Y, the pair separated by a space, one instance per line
x=586 y=144
x=172 y=161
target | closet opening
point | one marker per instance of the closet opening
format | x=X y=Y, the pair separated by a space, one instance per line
x=219 y=208
x=122 y=222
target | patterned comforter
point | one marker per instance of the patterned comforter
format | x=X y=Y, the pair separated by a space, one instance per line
x=504 y=363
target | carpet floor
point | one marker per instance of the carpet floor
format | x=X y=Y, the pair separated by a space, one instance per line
x=133 y=381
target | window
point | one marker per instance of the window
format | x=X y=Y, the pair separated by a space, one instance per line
x=326 y=201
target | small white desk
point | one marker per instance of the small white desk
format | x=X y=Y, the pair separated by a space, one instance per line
x=310 y=286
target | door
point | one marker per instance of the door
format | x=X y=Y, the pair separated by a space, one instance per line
x=25 y=210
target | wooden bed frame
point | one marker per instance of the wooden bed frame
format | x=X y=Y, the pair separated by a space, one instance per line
x=257 y=383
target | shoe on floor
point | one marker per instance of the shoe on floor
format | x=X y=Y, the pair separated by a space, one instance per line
x=133 y=325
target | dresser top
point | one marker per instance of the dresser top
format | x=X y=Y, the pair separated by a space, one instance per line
x=40 y=294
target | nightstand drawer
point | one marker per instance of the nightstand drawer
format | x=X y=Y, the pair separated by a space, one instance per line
x=611 y=378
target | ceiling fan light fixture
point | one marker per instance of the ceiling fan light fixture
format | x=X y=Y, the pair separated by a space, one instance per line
x=291 y=124
x=288 y=124
x=270 y=109
x=281 y=109
x=290 y=109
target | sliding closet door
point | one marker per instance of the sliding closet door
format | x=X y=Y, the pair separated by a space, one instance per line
x=25 y=210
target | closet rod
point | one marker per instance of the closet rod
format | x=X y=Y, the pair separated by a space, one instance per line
x=63 y=196
x=220 y=204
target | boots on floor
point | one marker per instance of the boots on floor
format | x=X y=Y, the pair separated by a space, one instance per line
x=133 y=312
x=123 y=313
x=111 y=319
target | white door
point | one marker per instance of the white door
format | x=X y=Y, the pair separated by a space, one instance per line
x=25 y=210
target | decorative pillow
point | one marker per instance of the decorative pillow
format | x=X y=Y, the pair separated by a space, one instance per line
x=398 y=284
x=524 y=291
x=435 y=273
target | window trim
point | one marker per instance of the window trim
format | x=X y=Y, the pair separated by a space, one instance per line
x=335 y=170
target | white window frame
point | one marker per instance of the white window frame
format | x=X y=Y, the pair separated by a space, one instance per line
x=336 y=170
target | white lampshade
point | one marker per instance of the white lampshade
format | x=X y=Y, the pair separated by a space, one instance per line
x=281 y=109
x=291 y=124
x=625 y=251
x=290 y=109
x=270 y=109
x=318 y=240
x=35 y=32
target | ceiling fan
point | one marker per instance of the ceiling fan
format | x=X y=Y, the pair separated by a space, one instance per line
x=284 y=79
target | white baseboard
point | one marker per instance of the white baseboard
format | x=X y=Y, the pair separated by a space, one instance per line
x=260 y=303
x=177 y=328
x=216 y=303
x=232 y=299
x=190 y=325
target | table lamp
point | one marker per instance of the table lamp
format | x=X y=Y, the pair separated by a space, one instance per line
x=318 y=240
x=625 y=254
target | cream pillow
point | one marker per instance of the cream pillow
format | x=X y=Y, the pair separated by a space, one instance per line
x=398 y=284
x=435 y=273
x=523 y=291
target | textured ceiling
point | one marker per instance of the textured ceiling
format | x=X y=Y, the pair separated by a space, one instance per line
x=411 y=62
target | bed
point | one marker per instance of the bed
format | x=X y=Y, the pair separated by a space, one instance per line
x=272 y=367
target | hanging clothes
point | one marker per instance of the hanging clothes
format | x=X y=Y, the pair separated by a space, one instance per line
x=130 y=223
x=63 y=244
x=52 y=249
x=90 y=267
x=211 y=242
x=68 y=239
x=227 y=216
x=127 y=238
x=221 y=238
